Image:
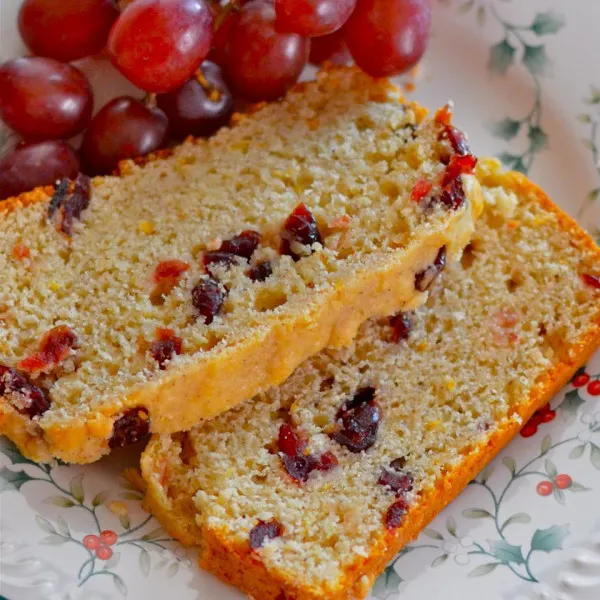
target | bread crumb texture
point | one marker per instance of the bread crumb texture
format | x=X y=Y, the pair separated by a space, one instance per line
x=354 y=171
x=501 y=332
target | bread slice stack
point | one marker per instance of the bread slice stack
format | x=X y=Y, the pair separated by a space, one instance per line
x=153 y=300
x=307 y=491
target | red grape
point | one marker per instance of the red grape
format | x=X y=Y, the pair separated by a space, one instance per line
x=66 y=29
x=124 y=128
x=200 y=106
x=159 y=44
x=30 y=165
x=312 y=17
x=41 y=98
x=261 y=63
x=222 y=35
x=388 y=37
x=330 y=47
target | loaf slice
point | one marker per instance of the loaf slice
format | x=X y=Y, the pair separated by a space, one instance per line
x=308 y=491
x=165 y=296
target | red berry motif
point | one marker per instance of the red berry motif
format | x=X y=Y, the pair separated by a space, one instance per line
x=108 y=537
x=528 y=430
x=104 y=552
x=563 y=481
x=91 y=542
x=580 y=380
x=542 y=415
x=544 y=488
x=593 y=387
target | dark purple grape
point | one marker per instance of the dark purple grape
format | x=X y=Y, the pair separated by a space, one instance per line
x=30 y=165
x=66 y=29
x=259 y=61
x=200 y=106
x=312 y=17
x=159 y=44
x=124 y=128
x=43 y=99
x=388 y=37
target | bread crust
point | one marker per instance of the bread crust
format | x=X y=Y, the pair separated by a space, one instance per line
x=238 y=565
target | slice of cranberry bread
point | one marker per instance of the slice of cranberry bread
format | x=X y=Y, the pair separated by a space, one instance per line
x=308 y=491
x=150 y=301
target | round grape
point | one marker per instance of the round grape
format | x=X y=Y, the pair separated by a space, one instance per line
x=200 y=106
x=31 y=165
x=43 y=99
x=312 y=17
x=388 y=37
x=330 y=48
x=66 y=29
x=261 y=63
x=124 y=128
x=159 y=44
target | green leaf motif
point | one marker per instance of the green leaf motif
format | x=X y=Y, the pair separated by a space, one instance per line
x=590 y=145
x=124 y=520
x=584 y=119
x=53 y=540
x=485 y=474
x=595 y=456
x=577 y=452
x=577 y=487
x=132 y=496
x=145 y=562
x=594 y=95
x=76 y=488
x=173 y=569
x=520 y=166
x=537 y=138
x=547 y=23
x=506 y=129
x=546 y=444
x=502 y=56
x=548 y=540
x=100 y=498
x=16 y=458
x=559 y=495
x=509 y=160
x=481 y=15
x=385 y=586
x=61 y=501
x=113 y=561
x=466 y=7
x=476 y=513
x=506 y=553
x=536 y=60
x=63 y=528
x=440 y=560
x=155 y=533
x=571 y=403
x=550 y=468
x=45 y=524
x=119 y=584
x=451 y=526
x=482 y=570
x=594 y=195
x=510 y=464
x=517 y=518
x=433 y=534
x=12 y=480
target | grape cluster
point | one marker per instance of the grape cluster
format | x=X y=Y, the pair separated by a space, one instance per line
x=193 y=58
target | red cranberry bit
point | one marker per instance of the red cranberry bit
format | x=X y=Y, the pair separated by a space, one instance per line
x=299 y=467
x=425 y=278
x=20 y=251
x=165 y=347
x=401 y=326
x=25 y=397
x=452 y=195
x=133 y=426
x=397 y=482
x=243 y=244
x=299 y=228
x=260 y=271
x=420 y=190
x=395 y=513
x=443 y=115
x=457 y=140
x=170 y=270
x=358 y=421
x=216 y=258
x=326 y=462
x=69 y=201
x=208 y=298
x=459 y=165
x=264 y=531
x=591 y=280
x=55 y=347
x=289 y=442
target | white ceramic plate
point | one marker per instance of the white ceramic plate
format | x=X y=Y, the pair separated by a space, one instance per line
x=525 y=77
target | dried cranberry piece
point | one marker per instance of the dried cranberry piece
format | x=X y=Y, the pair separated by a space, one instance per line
x=260 y=271
x=452 y=195
x=397 y=482
x=401 y=325
x=459 y=165
x=420 y=190
x=170 y=269
x=69 y=201
x=217 y=258
x=133 y=426
x=165 y=347
x=300 y=227
x=359 y=421
x=55 y=347
x=243 y=244
x=326 y=462
x=591 y=280
x=263 y=531
x=395 y=513
x=208 y=298
x=425 y=278
x=31 y=400
x=299 y=467
x=457 y=139
x=289 y=442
